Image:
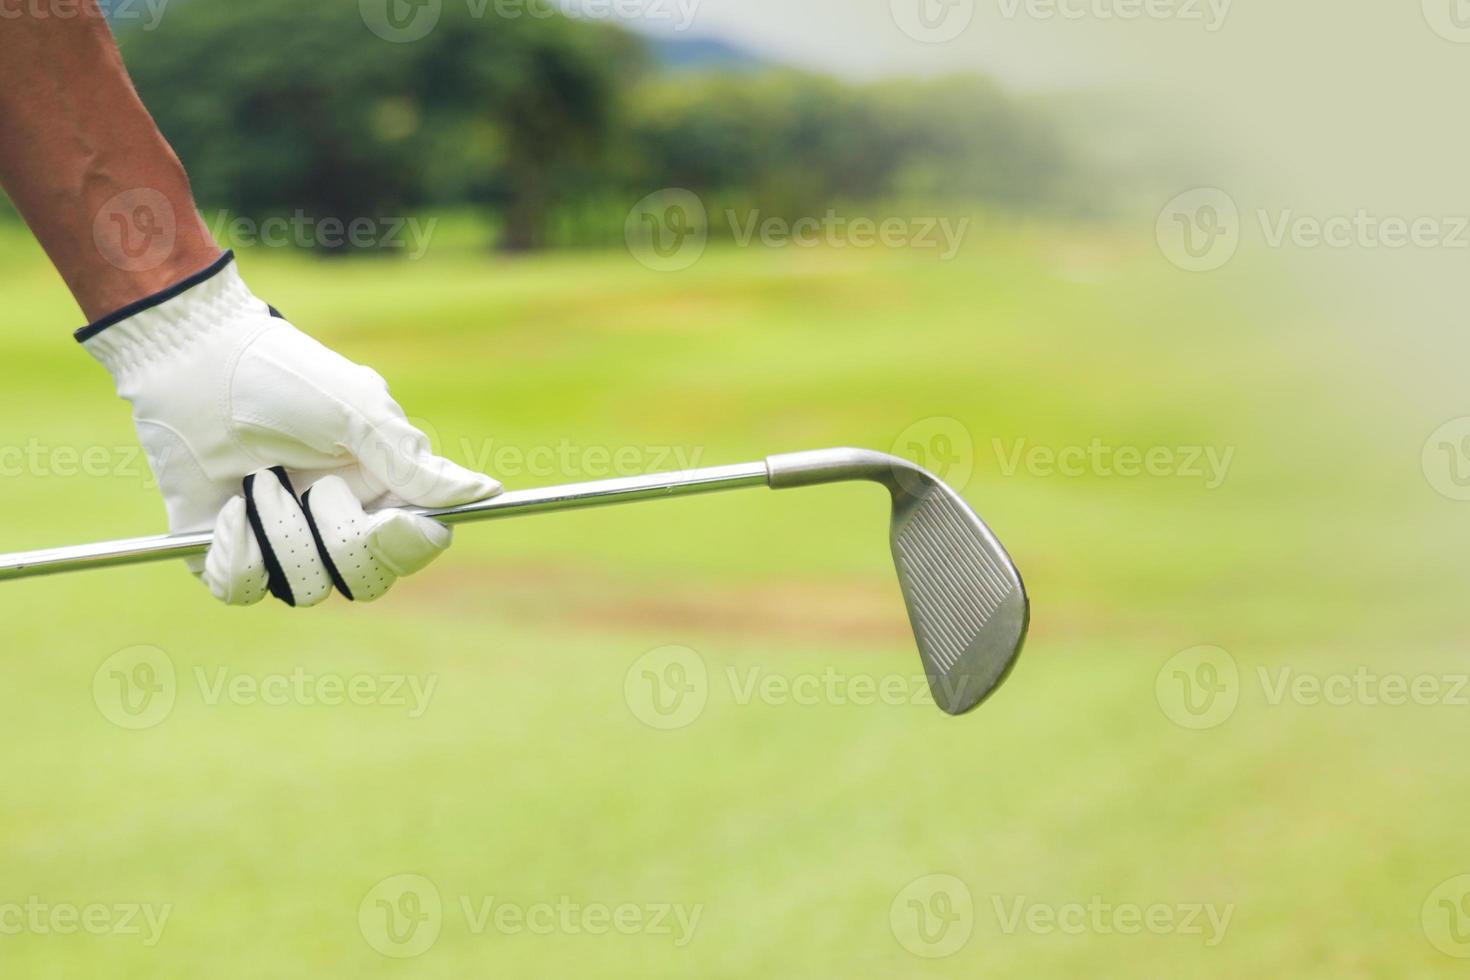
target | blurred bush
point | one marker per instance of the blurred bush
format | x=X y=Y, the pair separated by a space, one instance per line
x=276 y=105
x=796 y=142
x=555 y=126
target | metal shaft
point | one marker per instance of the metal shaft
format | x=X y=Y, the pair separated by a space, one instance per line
x=165 y=547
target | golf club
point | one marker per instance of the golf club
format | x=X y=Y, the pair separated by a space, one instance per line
x=965 y=599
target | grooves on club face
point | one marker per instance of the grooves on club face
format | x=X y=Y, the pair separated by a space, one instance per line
x=966 y=602
x=965 y=598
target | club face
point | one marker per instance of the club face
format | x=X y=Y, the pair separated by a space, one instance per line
x=965 y=599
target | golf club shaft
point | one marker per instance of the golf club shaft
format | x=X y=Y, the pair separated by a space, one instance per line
x=569 y=497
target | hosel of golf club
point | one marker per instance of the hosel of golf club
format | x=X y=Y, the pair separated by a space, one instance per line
x=843 y=465
x=778 y=472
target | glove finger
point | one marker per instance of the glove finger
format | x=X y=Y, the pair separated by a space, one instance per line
x=233 y=568
x=406 y=543
x=294 y=567
x=398 y=456
x=365 y=554
x=341 y=527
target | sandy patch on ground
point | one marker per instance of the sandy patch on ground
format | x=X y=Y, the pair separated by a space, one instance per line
x=579 y=597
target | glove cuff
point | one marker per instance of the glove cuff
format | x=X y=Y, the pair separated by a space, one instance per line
x=169 y=322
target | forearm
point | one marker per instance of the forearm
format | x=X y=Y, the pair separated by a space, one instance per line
x=85 y=164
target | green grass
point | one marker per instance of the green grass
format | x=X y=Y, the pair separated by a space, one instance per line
x=529 y=777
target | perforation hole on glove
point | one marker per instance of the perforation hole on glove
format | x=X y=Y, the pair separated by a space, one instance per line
x=298 y=549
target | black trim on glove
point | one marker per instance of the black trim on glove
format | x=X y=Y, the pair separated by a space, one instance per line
x=149 y=302
x=280 y=587
x=321 y=547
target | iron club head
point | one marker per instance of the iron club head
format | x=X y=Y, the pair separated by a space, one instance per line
x=965 y=599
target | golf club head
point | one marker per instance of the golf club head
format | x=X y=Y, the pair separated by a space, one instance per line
x=965 y=598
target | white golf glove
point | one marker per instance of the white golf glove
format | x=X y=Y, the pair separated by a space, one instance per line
x=236 y=408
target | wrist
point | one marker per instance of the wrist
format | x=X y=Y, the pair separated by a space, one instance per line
x=202 y=319
x=113 y=288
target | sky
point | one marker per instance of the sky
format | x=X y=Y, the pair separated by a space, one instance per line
x=865 y=38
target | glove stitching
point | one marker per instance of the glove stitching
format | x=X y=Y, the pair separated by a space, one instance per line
x=227 y=395
x=139 y=422
x=220 y=301
x=354 y=414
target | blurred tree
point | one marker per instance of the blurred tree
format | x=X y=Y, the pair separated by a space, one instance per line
x=555 y=125
x=277 y=106
x=798 y=142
